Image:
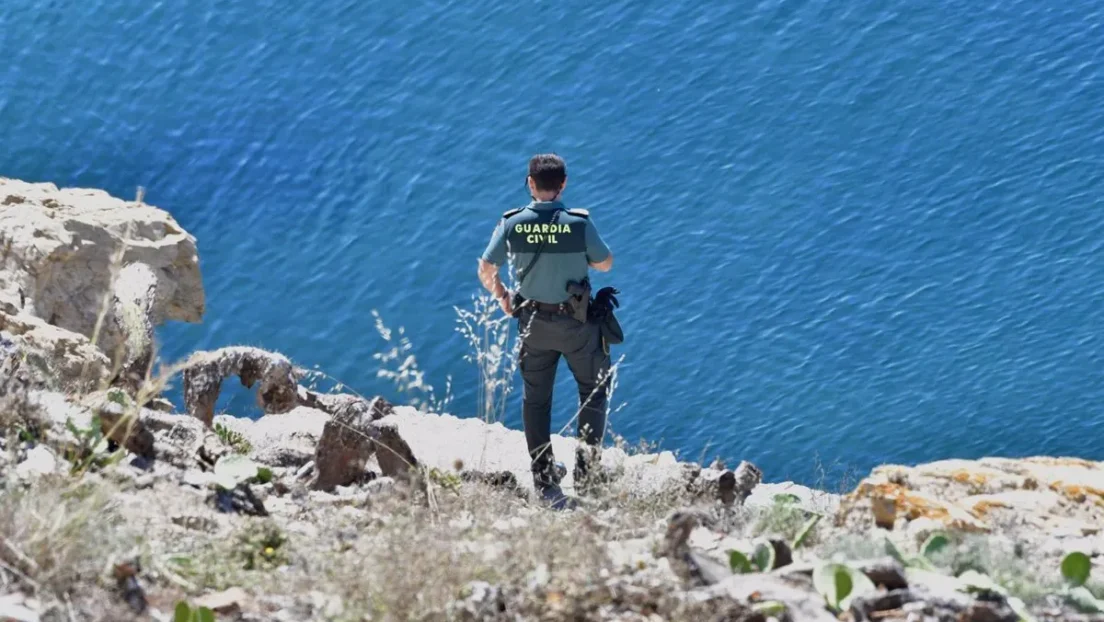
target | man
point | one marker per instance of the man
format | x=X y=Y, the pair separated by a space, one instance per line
x=551 y=246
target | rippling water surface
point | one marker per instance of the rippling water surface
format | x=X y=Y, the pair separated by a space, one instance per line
x=846 y=232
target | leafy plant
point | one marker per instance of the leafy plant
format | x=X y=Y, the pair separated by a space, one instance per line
x=763 y=555
x=1084 y=600
x=769 y=608
x=185 y=613
x=935 y=544
x=739 y=563
x=90 y=448
x=119 y=397
x=234 y=469
x=976 y=582
x=762 y=558
x=840 y=584
x=445 y=479
x=262 y=548
x=1076 y=568
x=806 y=529
x=236 y=440
x=264 y=475
x=784 y=518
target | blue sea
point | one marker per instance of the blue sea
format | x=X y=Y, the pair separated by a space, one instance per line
x=846 y=233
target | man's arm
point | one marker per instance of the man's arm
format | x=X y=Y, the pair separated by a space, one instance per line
x=598 y=253
x=488 y=276
x=492 y=258
x=605 y=265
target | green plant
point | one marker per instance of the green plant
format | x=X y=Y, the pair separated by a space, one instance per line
x=976 y=582
x=936 y=544
x=807 y=529
x=185 y=613
x=761 y=559
x=840 y=584
x=784 y=518
x=234 y=469
x=739 y=563
x=1076 y=568
x=119 y=397
x=769 y=608
x=262 y=549
x=90 y=447
x=763 y=555
x=445 y=479
x=234 y=439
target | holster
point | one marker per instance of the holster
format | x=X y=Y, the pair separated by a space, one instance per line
x=580 y=299
x=517 y=301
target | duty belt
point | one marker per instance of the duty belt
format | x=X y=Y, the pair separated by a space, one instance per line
x=555 y=309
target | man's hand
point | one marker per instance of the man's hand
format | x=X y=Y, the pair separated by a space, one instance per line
x=488 y=276
x=506 y=301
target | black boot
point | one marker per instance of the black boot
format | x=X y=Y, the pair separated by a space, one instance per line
x=589 y=474
x=546 y=481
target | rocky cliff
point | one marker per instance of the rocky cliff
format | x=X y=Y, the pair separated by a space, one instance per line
x=344 y=507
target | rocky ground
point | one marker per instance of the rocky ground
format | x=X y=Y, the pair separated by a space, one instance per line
x=339 y=507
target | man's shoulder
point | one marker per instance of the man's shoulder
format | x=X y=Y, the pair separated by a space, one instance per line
x=580 y=212
x=510 y=213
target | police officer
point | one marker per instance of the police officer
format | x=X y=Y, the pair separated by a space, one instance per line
x=550 y=246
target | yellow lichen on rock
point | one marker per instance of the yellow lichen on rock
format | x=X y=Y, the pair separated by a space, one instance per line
x=968 y=495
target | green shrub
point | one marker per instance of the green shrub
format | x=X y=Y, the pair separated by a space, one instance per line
x=185 y=613
x=234 y=439
x=262 y=549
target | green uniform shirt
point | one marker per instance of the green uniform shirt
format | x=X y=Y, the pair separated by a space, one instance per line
x=571 y=242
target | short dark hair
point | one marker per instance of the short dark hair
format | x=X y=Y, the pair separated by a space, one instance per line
x=548 y=171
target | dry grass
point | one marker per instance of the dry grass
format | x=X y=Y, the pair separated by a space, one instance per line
x=58 y=543
x=398 y=558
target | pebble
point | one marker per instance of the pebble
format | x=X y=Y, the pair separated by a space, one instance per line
x=39 y=461
x=13 y=608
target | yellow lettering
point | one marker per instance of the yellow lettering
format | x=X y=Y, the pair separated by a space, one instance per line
x=530 y=239
x=517 y=229
x=565 y=229
x=551 y=239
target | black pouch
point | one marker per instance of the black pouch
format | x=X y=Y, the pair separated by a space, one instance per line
x=601 y=311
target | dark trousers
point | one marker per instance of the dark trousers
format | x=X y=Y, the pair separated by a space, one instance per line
x=544 y=338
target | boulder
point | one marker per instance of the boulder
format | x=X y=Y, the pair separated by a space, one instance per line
x=62 y=248
x=728 y=487
x=1041 y=495
x=283 y=440
x=394 y=455
x=116 y=422
x=349 y=441
x=204 y=372
x=175 y=436
x=44 y=356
